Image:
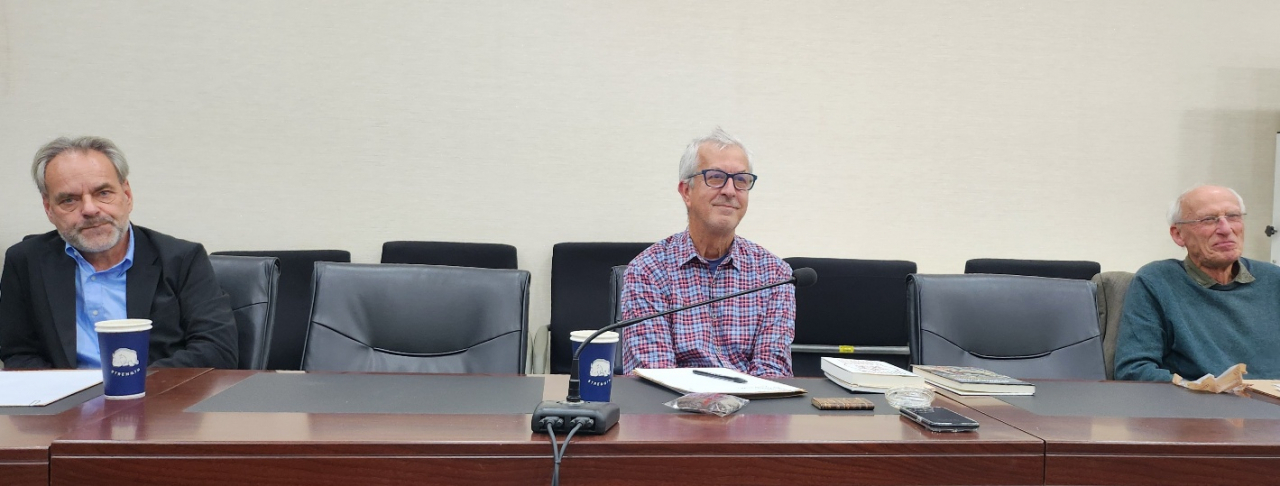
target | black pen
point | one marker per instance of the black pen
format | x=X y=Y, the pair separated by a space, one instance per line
x=722 y=377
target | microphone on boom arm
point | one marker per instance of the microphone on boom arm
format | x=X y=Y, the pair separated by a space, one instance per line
x=599 y=417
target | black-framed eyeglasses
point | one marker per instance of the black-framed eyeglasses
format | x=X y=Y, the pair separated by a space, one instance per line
x=1212 y=221
x=715 y=178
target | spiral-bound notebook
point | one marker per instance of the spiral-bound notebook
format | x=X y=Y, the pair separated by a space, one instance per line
x=684 y=380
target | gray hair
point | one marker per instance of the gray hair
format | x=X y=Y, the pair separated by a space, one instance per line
x=83 y=144
x=1175 y=210
x=721 y=139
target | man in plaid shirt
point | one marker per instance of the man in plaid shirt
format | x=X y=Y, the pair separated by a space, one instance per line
x=751 y=333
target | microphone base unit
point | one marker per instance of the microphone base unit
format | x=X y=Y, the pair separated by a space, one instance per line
x=603 y=416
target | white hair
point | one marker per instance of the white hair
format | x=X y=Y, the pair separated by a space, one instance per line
x=82 y=144
x=1175 y=209
x=721 y=139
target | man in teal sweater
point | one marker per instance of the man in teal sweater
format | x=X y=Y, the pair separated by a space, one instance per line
x=1207 y=312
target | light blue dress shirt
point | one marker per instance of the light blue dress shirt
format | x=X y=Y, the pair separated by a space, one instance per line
x=100 y=296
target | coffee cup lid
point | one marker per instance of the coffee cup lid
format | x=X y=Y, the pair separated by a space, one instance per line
x=123 y=325
x=606 y=337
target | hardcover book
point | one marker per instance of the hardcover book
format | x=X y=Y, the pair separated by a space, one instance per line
x=964 y=380
x=867 y=375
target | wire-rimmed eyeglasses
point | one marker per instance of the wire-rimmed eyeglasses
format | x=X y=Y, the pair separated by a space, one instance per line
x=1212 y=221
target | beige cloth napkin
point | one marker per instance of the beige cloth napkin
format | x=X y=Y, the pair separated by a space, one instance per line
x=1231 y=381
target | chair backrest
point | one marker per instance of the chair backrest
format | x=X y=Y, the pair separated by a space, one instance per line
x=418 y=318
x=251 y=283
x=857 y=306
x=476 y=255
x=1077 y=269
x=293 y=304
x=616 y=283
x=1024 y=327
x=1112 y=287
x=580 y=298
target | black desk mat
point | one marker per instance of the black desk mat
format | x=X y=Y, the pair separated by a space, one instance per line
x=638 y=396
x=71 y=401
x=466 y=395
x=1138 y=400
x=377 y=393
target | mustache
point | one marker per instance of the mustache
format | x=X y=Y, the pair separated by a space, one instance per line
x=88 y=223
x=727 y=201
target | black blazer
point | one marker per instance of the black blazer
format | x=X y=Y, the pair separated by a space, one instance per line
x=171 y=282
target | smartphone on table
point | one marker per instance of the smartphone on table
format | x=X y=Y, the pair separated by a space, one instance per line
x=939 y=419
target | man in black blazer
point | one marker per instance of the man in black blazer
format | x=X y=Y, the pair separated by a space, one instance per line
x=98 y=266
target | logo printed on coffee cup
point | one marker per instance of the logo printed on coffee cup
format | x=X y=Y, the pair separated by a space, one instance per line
x=124 y=357
x=600 y=367
x=601 y=372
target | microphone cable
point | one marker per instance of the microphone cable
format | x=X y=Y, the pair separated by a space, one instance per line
x=557 y=454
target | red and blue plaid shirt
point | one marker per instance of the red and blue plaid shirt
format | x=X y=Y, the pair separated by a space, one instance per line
x=750 y=333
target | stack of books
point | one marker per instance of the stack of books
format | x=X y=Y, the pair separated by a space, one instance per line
x=963 y=380
x=868 y=376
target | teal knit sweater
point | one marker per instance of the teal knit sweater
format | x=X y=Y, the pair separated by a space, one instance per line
x=1170 y=324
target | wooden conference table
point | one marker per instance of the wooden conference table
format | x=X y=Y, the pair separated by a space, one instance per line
x=163 y=443
x=182 y=434
x=1104 y=433
x=25 y=435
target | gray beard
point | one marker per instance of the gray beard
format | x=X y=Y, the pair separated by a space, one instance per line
x=77 y=241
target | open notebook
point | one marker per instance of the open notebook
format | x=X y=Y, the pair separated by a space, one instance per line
x=684 y=380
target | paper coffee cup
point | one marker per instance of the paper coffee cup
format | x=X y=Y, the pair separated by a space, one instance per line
x=595 y=364
x=123 y=345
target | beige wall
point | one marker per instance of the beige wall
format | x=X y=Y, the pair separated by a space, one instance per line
x=927 y=131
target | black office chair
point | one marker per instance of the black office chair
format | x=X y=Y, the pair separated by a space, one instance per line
x=476 y=255
x=251 y=283
x=1077 y=269
x=418 y=318
x=580 y=297
x=1024 y=327
x=293 y=304
x=617 y=281
x=857 y=310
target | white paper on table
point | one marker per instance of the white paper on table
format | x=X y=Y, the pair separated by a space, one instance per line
x=684 y=380
x=42 y=387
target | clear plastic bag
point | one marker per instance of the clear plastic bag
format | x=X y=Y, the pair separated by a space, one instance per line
x=909 y=396
x=718 y=404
